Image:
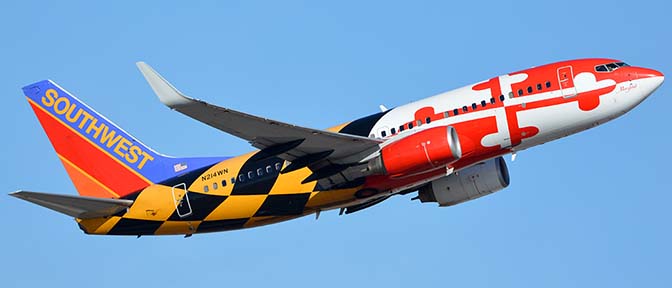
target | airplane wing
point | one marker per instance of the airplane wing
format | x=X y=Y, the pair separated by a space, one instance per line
x=304 y=147
x=82 y=207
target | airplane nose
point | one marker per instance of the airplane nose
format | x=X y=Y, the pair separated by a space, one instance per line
x=653 y=75
x=648 y=73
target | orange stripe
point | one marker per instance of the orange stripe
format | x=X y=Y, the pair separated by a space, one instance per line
x=86 y=185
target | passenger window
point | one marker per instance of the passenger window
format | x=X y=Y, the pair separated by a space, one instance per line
x=250 y=175
x=206 y=188
x=418 y=122
x=269 y=169
x=241 y=178
x=529 y=89
x=278 y=166
x=483 y=103
x=223 y=183
x=456 y=112
x=401 y=128
x=465 y=109
x=428 y=120
x=501 y=97
x=548 y=84
x=214 y=186
x=520 y=92
x=445 y=114
x=233 y=180
x=260 y=172
x=383 y=133
x=393 y=131
x=492 y=100
x=473 y=106
x=410 y=125
x=539 y=86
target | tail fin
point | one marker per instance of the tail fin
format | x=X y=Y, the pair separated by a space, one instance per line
x=101 y=159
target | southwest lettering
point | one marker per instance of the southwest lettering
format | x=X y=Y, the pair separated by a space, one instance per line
x=68 y=116
x=132 y=155
x=63 y=100
x=145 y=157
x=109 y=137
x=87 y=117
x=48 y=99
x=122 y=145
x=93 y=126
x=88 y=124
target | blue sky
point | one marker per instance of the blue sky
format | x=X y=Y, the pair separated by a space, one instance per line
x=588 y=210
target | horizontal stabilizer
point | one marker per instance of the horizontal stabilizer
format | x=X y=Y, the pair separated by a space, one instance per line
x=82 y=207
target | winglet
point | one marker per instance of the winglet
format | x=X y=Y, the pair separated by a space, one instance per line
x=168 y=94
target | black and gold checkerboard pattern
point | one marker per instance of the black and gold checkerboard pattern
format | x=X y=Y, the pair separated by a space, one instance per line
x=269 y=198
x=274 y=198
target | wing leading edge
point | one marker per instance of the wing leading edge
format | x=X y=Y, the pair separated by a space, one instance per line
x=327 y=151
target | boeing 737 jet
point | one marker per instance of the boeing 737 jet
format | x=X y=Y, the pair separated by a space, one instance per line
x=447 y=148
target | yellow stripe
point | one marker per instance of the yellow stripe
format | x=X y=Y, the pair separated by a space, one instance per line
x=100 y=226
x=338 y=127
x=87 y=175
x=87 y=140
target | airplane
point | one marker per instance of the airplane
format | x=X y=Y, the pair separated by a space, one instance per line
x=447 y=148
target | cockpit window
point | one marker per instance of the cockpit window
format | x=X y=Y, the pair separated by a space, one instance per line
x=610 y=67
x=601 y=68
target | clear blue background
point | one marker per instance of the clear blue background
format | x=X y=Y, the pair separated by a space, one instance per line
x=589 y=210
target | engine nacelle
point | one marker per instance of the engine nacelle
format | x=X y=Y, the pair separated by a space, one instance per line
x=418 y=152
x=468 y=184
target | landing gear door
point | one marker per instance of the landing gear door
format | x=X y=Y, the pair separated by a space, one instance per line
x=566 y=81
x=181 y=200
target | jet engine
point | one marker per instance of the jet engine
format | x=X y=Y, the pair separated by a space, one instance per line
x=468 y=184
x=418 y=152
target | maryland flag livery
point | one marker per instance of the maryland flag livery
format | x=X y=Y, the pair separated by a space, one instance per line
x=448 y=148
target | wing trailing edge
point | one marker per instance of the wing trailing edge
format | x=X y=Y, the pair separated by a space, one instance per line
x=81 y=207
x=289 y=142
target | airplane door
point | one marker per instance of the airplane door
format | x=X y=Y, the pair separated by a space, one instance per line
x=181 y=200
x=566 y=81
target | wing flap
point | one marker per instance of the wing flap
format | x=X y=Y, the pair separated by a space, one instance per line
x=82 y=207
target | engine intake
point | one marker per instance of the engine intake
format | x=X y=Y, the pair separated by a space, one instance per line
x=418 y=152
x=476 y=181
